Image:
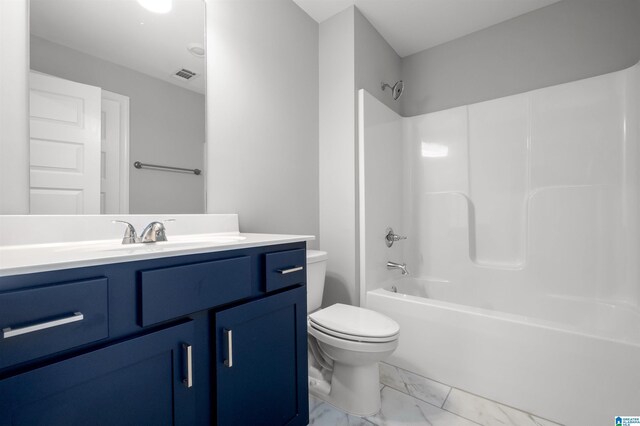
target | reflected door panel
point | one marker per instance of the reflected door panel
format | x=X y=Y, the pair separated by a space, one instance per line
x=65 y=146
x=114 y=188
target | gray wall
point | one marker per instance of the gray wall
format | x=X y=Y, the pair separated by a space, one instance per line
x=14 y=107
x=375 y=62
x=338 y=196
x=167 y=126
x=563 y=42
x=263 y=115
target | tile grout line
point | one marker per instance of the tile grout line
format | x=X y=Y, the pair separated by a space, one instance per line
x=407 y=392
x=447 y=397
x=369 y=421
x=463 y=417
x=456 y=414
x=419 y=375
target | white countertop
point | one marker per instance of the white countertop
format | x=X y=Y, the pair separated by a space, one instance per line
x=30 y=258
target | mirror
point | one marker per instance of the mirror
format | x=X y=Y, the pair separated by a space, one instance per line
x=113 y=84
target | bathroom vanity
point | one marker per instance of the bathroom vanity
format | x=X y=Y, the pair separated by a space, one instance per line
x=215 y=335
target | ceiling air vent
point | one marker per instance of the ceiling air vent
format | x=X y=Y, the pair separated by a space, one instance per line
x=184 y=74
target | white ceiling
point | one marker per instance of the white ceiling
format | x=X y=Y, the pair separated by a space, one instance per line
x=411 y=26
x=121 y=31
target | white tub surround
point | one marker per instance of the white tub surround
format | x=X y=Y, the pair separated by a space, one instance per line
x=62 y=242
x=523 y=221
x=382 y=191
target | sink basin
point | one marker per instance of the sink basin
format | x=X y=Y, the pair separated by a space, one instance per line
x=206 y=238
x=179 y=241
x=175 y=242
x=144 y=248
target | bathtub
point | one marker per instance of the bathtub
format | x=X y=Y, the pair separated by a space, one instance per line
x=571 y=360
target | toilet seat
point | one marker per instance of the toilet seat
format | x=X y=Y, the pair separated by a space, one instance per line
x=353 y=346
x=352 y=337
x=355 y=324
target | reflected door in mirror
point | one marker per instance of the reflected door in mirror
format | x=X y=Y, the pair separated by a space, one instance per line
x=65 y=146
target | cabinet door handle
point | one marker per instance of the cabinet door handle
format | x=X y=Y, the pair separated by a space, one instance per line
x=188 y=381
x=12 y=332
x=229 y=335
x=290 y=270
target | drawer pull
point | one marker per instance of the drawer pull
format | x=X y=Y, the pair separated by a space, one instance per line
x=290 y=270
x=229 y=361
x=12 y=332
x=188 y=381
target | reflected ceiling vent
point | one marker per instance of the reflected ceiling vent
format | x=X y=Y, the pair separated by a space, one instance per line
x=185 y=74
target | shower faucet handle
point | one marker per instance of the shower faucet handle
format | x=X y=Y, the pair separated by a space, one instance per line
x=391 y=237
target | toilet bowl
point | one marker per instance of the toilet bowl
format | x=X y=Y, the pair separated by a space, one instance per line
x=345 y=345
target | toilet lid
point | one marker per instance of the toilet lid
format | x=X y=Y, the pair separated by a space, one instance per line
x=351 y=337
x=354 y=321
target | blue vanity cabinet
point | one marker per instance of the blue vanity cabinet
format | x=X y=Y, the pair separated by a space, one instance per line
x=261 y=361
x=141 y=381
x=110 y=344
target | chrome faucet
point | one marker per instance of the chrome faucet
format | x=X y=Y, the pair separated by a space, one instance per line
x=154 y=232
x=401 y=266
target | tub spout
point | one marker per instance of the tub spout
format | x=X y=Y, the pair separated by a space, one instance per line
x=401 y=266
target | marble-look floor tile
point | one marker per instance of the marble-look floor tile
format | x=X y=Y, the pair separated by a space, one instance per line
x=542 y=422
x=323 y=414
x=489 y=413
x=417 y=386
x=399 y=409
x=313 y=402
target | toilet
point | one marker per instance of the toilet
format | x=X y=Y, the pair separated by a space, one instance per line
x=345 y=344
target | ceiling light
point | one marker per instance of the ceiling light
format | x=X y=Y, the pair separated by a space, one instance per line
x=196 y=49
x=157 y=6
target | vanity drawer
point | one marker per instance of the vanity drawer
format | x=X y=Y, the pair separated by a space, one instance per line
x=285 y=268
x=43 y=320
x=177 y=291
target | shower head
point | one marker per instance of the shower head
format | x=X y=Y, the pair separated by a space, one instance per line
x=396 y=89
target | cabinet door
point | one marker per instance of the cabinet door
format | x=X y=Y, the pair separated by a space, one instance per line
x=135 y=382
x=261 y=362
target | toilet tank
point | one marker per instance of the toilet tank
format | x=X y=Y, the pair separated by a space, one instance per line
x=316 y=269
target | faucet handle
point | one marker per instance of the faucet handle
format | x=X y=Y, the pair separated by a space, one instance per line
x=391 y=237
x=130 y=235
x=154 y=232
